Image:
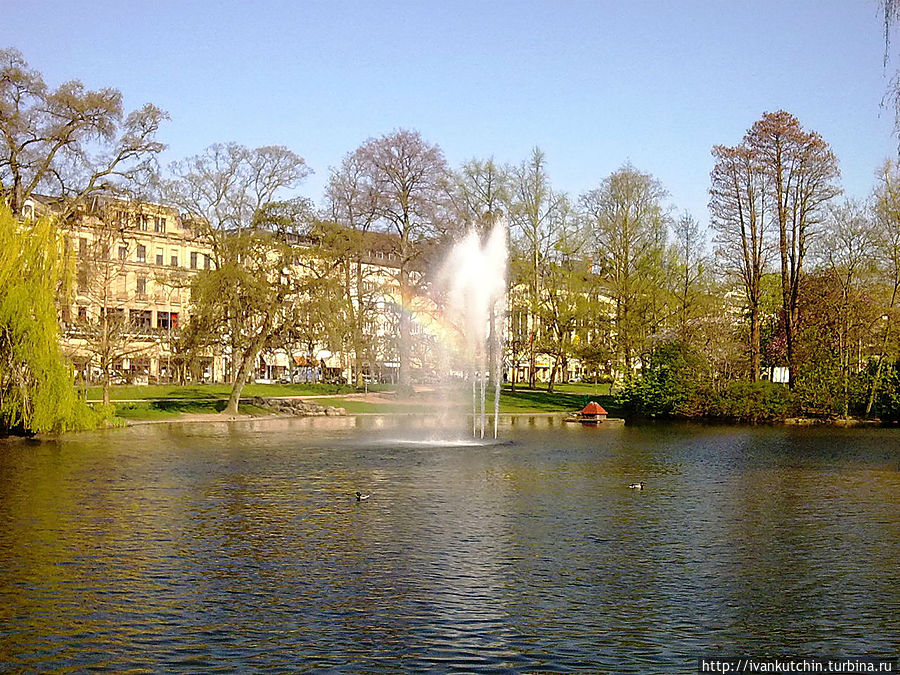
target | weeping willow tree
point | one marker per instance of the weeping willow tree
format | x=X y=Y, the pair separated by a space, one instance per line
x=37 y=392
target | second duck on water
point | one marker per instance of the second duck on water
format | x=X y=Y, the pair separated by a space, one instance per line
x=633 y=486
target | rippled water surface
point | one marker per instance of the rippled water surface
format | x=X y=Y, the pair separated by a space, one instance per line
x=241 y=547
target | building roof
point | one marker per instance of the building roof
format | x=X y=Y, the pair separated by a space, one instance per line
x=593 y=408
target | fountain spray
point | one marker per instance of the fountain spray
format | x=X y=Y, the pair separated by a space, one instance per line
x=475 y=275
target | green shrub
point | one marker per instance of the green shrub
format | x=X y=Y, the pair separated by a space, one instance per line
x=887 y=400
x=751 y=402
x=667 y=385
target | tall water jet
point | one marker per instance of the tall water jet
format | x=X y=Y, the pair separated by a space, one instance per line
x=474 y=276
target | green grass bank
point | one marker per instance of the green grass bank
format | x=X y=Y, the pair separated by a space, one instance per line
x=169 y=402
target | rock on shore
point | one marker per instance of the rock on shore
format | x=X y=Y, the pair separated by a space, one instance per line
x=298 y=407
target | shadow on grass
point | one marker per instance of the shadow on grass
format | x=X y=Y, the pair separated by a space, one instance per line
x=150 y=410
x=542 y=400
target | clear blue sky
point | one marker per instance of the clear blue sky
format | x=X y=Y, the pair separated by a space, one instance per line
x=592 y=83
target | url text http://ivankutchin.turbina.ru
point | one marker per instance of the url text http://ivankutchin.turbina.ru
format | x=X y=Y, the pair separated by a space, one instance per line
x=749 y=664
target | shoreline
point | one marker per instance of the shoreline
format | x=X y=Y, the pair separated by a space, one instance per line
x=562 y=416
x=191 y=418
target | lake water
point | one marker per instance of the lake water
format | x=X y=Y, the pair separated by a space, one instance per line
x=241 y=547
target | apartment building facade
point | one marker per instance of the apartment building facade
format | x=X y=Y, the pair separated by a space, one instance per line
x=131 y=263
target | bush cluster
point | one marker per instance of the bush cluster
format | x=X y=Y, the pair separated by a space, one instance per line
x=672 y=384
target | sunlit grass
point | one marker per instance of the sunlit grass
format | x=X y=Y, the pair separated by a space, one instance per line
x=540 y=400
x=161 y=410
x=355 y=406
x=154 y=402
x=213 y=391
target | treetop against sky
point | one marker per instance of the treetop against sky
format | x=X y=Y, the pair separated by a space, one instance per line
x=594 y=84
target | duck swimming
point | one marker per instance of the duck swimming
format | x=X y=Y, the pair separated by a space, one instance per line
x=361 y=497
x=637 y=486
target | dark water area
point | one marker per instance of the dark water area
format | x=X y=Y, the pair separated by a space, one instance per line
x=242 y=548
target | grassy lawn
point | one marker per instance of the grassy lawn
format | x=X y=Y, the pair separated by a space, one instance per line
x=162 y=410
x=213 y=391
x=585 y=388
x=353 y=406
x=569 y=399
x=520 y=402
x=156 y=402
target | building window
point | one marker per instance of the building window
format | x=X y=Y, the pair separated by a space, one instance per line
x=123 y=252
x=207 y=262
x=193 y=260
x=82 y=279
x=82 y=246
x=159 y=224
x=142 y=286
x=174 y=260
x=82 y=313
x=167 y=320
x=159 y=256
x=141 y=221
x=141 y=318
x=141 y=253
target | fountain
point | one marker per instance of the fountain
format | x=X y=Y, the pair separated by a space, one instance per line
x=474 y=279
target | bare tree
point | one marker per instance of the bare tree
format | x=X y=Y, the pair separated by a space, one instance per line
x=891 y=13
x=801 y=171
x=70 y=141
x=628 y=223
x=886 y=235
x=739 y=216
x=565 y=282
x=103 y=323
x=690 y=261
x=847 y=253
x=353 y=205
x=408 y=177
x=481 y=194
x=535 y=207
x=230 y=192
x=481 y=199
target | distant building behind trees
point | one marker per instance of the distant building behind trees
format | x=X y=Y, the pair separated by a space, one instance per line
x=215 y=269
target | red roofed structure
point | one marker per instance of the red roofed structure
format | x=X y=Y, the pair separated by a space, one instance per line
x=595 y=409
x=592 y=413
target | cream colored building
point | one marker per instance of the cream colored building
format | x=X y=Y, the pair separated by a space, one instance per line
x=133 y=261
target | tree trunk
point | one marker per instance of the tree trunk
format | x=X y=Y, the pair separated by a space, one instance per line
x=532 y=362
x=243 y=372
x=875 y=380
x=404 y=348
x=105 y=358
x=358 y=325
x=755 y=360
x=552 y=375
x=240 y=380
x=887 y=331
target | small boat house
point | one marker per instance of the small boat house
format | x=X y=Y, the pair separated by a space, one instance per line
x=592 y=413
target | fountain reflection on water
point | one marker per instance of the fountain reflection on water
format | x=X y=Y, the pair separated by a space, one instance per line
x=238 y=547
x=474 y=277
